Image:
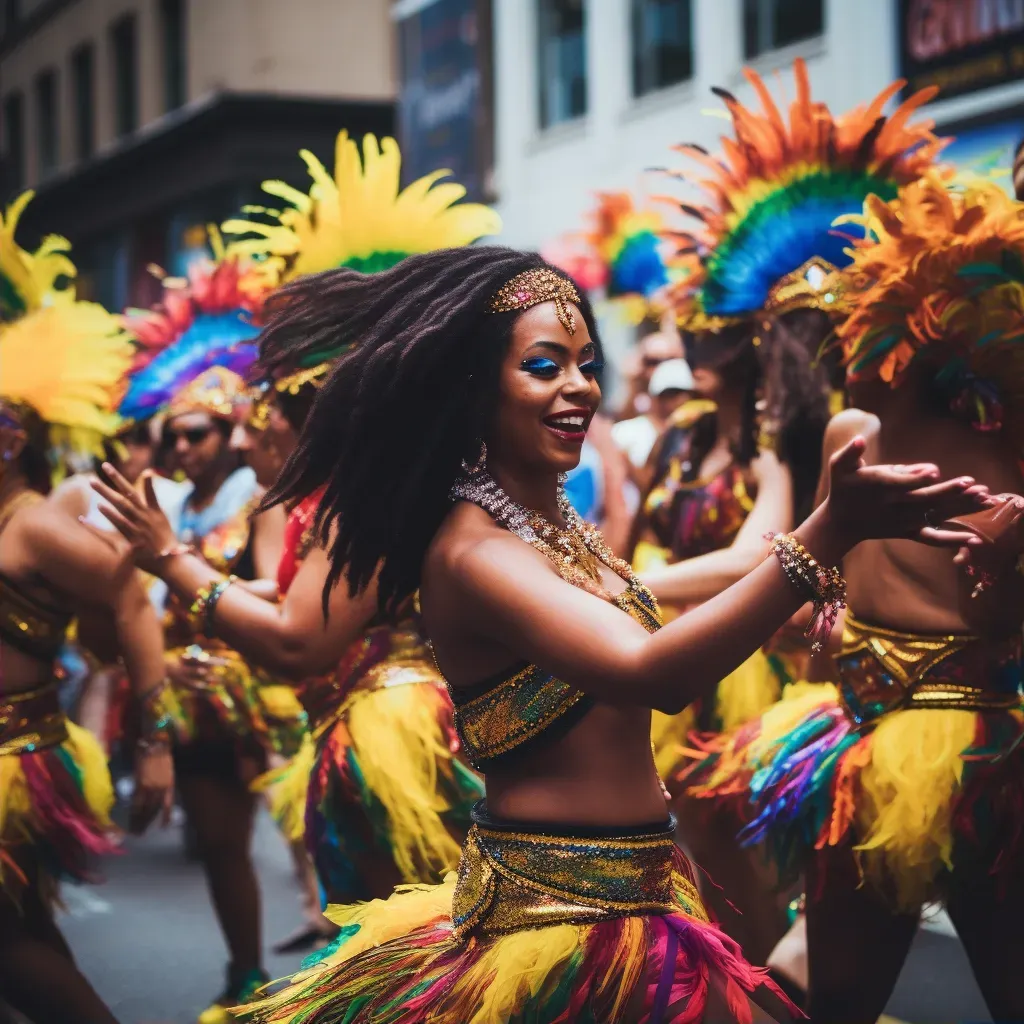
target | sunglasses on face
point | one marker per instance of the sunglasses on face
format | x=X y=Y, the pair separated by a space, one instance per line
x=192 y=437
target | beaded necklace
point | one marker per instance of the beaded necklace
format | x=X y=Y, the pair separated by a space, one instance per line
x=577 y=552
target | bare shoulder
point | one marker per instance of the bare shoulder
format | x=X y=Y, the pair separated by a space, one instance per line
x=846 y=425
x=470 y=548
x=72 y=496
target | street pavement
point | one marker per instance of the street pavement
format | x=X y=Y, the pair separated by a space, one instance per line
x=150 y=944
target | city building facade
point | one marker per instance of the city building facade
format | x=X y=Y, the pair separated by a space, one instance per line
x=137 y=122
x=591 y=94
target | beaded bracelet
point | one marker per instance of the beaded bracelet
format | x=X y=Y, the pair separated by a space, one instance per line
x=216 y=593
x=200 y=612
x=825 y=588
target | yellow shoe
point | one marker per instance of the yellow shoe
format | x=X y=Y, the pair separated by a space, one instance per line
x=241 y=989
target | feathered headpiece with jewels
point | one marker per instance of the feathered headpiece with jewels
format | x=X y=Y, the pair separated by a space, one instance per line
x=208 y=320
x=63 y=357
x=941 y=273
x=358 y=218
x=216 y=391
x=766 y=240
x=622 y=250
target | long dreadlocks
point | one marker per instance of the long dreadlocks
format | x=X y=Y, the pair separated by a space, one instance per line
x=411 y=399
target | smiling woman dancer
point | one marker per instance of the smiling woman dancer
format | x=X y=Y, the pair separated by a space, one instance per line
x=572 y=902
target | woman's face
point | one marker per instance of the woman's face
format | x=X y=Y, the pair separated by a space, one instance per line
x=548 y=393
x=264 y=445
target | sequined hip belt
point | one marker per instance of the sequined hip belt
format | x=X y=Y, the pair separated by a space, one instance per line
x=30 y=721
x=513 y=877
x=883 y=670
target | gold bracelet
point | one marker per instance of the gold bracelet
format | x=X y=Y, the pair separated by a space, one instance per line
x=824 y=587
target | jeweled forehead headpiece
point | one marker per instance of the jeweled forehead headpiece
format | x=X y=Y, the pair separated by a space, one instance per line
x=214 y=391
x=531 y=288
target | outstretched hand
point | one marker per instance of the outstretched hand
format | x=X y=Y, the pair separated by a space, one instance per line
x=137 y=517
x=882 y=501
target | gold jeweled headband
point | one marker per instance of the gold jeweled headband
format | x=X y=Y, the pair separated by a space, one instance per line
x=531 y=288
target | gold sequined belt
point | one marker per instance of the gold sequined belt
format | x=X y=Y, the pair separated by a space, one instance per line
x=33 y=720
x=883 y=670
x=510 y=880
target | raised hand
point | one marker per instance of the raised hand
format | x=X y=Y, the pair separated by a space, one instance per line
x=138 y=518
x=874 y=502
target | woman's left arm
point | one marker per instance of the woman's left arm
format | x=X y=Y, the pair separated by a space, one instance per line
x=699 y=579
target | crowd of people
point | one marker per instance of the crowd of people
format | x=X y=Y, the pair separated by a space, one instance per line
x=340 y=526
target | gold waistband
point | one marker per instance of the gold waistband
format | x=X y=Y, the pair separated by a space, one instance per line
x=883 y=670
x=509 y=881
x=31 y=721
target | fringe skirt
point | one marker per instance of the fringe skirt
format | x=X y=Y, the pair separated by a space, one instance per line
x=919 y=792
x=537 y=927
x=380 y=774
x=55 y=795
x=238 y=705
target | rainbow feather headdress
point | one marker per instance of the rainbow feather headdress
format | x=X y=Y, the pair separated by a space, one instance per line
x=766 y=240
x=359 y=217
x=623 y=250
x=63 y=357
x=210 y=320
x=940 y=274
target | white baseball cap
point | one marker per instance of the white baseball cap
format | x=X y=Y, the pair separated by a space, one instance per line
x=671 y=375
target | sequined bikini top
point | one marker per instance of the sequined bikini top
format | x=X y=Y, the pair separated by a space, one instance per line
x=883 y=670
x=26 y=623
x=298 y=539
x=524 y=705
x=690 y=516
x=693 y=518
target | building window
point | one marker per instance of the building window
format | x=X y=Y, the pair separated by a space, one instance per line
x=14 y=140
x=662 y=44
x=172 y=26
x=770 y=24
x=126 y=75
x=562 y=60
x=83 y=79
x=47 y=129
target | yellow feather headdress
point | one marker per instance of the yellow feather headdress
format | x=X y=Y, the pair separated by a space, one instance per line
x=359 y=217
x=940 y=274
x=63 y=357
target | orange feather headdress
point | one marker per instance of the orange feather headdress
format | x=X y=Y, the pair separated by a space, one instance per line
x=941 y=274
x=765 y=239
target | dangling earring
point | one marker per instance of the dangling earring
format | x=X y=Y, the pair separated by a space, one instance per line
x=479 y=465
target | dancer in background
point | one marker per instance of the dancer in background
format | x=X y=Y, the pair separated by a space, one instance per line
x=572 y=900
x=754 y=298
x=233 y=717
x=903 y=782
x=381 y=794
x=61 y=360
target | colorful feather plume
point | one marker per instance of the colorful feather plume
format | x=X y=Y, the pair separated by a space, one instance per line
x=771 y=198
x=62 y=357
x=942 y=273
x=29 y=280
x=359 y=217
x=209 y=320
x=622 y=250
